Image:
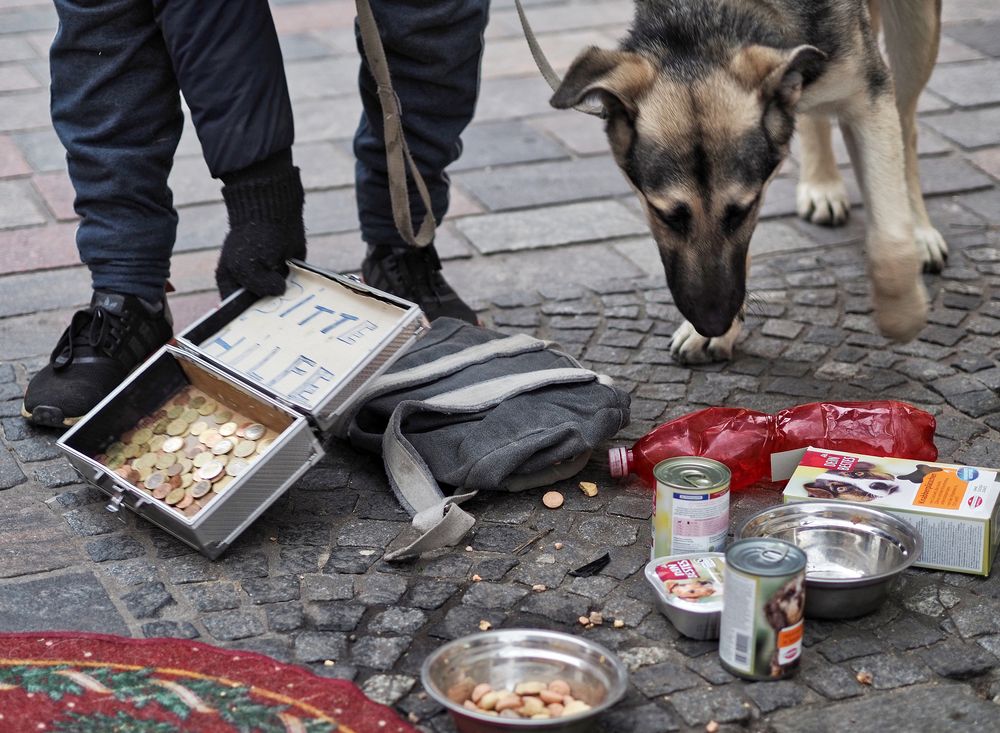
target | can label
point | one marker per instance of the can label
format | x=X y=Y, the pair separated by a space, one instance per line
x=762 y=624
x=689 y=521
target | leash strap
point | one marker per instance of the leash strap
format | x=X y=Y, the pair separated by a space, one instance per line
x=545 y=67
x=397 y=153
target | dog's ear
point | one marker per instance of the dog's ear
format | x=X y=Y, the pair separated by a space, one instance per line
x=778 y=73
x=617 y=77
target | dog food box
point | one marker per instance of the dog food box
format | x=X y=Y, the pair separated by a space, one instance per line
x=954 y=508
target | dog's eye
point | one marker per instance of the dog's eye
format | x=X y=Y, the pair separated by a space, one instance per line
x=678 y=219
x=735 y=216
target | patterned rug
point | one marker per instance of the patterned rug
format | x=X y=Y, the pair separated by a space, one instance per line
x=92 y=683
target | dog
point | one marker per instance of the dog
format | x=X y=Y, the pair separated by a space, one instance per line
x=701 y=100
x=861 y=484
x=784 y=609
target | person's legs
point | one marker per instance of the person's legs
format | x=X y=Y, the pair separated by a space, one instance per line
x=228 y=63
x=116 y=109
x=434 y=52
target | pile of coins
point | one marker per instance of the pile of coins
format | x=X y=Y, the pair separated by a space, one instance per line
x=188 y=451
x=530 y=699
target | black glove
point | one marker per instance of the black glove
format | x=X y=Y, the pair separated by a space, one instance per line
x=265 y=227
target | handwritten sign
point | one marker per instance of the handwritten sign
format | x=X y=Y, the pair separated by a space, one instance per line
x=303 y=344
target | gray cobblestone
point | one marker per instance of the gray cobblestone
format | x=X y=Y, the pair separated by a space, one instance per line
x=147 y=600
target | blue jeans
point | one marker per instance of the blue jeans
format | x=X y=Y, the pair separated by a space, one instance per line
x=434 y=51
x=118 y=67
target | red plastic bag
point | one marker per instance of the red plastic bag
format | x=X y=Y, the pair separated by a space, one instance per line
x=745 y=439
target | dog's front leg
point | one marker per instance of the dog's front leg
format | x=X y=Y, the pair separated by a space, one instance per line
x=872 y=133
x=821 y=197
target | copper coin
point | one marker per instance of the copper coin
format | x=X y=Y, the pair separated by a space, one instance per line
x=182 y=398
x=187 y=501
x=254 y=431
x=174 y=482
x=222 y=447
x=200 y=488
x=161 y=491
x=211 y=470
x=227 y=429
x=199 y=427
x=173 y=444
x=128 y=473
x=155 y=481
x=175 y=496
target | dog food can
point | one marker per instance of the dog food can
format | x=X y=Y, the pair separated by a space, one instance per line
x=760 y=636
x=691 y=509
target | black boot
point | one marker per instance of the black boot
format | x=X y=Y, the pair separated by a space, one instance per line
x=94 y=355
x=415 y=274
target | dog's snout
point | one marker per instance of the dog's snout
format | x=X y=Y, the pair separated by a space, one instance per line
x=708 y=294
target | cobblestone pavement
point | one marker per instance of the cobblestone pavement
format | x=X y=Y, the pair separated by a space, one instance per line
x=544 y=236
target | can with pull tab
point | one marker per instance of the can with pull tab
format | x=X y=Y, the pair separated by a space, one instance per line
x=691 y=508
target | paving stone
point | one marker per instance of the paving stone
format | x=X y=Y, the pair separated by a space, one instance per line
x=562 y=607
x=190 y=569
x=891 y=670
x=327 y=587
x=334 y=615
x=56 y=475
x=723 y=705
x=378 y=652
x=945 y=710
x=10 y=473
x=285 y=617
x=319 y=646
x=351 y=560
x=663 y=678
x=504 y=143
x=464 y=619
x=170 y=630
x=710 y=668
x=130 y=572
x=272 y=590
x=147 y=600
x=500 y=538
x=118 y=547
x=605 y=531
x=430 y=594
x=379 y=590
x=848 y=647
x=961 y=83
x=232 y=626
x=771 y=696
x=957 y=660
x=539 y=573
x=910 y=633
x=91 y=521
x=55 y=603
x=36 y=449
x=649 y=718
x=397 y=620
x=549 y=226
x=209 y=597
x=493 y=595
x=387 y=689
x=833 y=682
x=976 y=617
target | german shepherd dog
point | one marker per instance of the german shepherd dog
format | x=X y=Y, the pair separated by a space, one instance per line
x=701 y=100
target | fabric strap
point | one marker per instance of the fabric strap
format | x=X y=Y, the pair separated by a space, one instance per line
x=397 y=153
x=548 y=73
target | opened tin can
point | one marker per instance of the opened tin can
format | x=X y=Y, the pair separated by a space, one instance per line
x=760 y=637
x=689 y=591
x=691 y=509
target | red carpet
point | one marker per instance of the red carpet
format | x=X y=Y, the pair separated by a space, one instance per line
x=91 y=683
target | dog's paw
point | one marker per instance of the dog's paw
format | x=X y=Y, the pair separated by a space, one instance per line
x=825 y=204
x=901 y=317
x=933 y=248
x=689 y=347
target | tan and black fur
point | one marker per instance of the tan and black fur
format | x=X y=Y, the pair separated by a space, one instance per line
x=701 y=100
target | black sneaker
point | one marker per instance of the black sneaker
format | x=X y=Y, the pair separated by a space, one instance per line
x=415 y=274
x=94 y=355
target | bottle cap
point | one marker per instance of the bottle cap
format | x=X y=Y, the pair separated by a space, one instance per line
x=618 y=461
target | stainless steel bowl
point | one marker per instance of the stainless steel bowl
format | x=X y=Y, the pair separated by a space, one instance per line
x=505 y=658
x=854 y=552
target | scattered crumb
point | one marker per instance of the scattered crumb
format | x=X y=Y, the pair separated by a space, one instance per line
x=538 y=588
x=485 y=625
x=421 y=695
x=273 y=539
x=589 y=488
x=476 y=578
x=552 y=499
x=558 y=545
x=328 y=662
x=712 y=727
x=864 y=677
x=596 y=618
x=413 y=717
x=583 y=620
x=468 y=548
x=618 y=623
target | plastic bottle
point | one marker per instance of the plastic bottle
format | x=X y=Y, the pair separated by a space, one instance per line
x=745 y=439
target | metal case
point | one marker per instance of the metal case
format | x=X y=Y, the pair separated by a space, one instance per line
x=296 y=449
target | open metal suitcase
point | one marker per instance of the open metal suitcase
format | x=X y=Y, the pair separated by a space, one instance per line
x=294 y=364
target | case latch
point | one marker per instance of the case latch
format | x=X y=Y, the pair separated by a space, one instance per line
x=115 y=505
